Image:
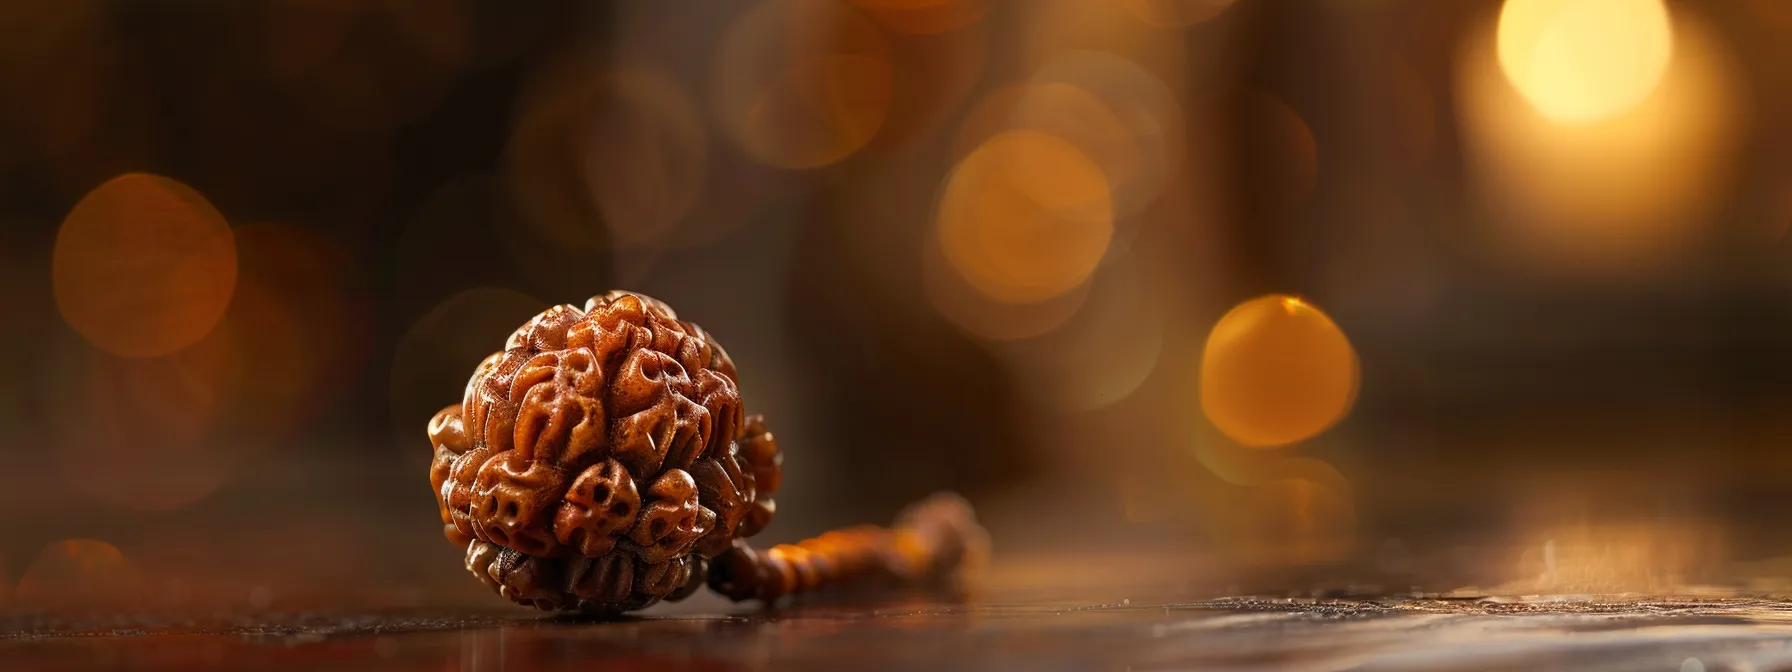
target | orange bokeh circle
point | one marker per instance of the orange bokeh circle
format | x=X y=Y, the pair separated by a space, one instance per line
x=143 y=266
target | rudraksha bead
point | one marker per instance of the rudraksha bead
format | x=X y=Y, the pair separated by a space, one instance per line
x=602 y=460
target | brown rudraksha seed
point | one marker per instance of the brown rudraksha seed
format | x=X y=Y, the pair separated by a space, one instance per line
x=600 y=459
x=602 y=462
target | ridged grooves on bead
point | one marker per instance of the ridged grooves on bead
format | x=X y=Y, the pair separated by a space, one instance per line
x=601 y=458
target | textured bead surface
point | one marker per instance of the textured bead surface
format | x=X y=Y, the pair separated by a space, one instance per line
x=601 y=458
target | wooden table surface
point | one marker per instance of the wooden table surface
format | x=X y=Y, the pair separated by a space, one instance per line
x=1003 y=630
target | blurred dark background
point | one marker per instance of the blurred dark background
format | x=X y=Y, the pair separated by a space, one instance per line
x=966 y=244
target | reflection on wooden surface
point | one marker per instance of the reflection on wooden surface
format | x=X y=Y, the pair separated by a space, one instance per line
x=1009 y=629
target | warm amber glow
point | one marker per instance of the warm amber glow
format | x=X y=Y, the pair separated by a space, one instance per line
x=1621 y=195
x=1565 y=538
x=985 y=118
x=924 y=17
x=78 y=574
x=143 y=266
x=1026 y=217
x=1122 y=117
x=1275 y=371
x=1176 y=13
x=802 y=83
x=1578 y=61
x=979 y=315
x=1583 y=558
x=647 y=163
x=1049 y=29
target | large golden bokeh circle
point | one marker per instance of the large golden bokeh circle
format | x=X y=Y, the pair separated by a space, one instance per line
x=1026 y=217
x=143 y=266
x=1276 y=370
x=1580 y=61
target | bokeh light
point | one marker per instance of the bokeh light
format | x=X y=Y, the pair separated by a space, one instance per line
x=1052 y=29
x=986 y=118
x=1026 y=217
x=1276 y=370
x=998 y=230
x=647 y=160
x=1624 y=194
x=1116 y=113
x=802 y=83
x=977 y=314
x=143 y=266
x=79 y=575
x=1579 y=61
